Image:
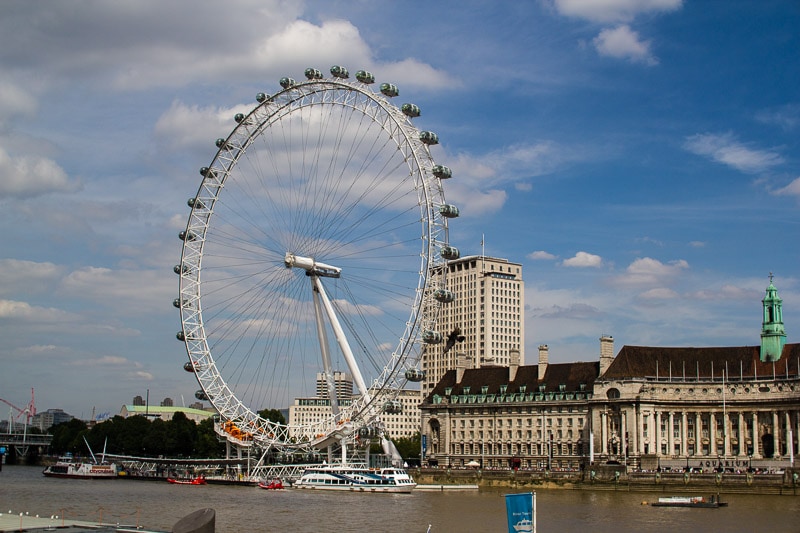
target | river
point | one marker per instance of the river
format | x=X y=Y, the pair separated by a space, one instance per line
x=158 y=505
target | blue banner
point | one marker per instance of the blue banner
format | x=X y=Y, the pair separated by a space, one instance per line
x=521 y=513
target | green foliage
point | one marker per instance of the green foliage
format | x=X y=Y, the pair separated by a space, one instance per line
x=140 y=437
x=273 y=415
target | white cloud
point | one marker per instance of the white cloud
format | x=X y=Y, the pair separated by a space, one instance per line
x=35 y=277
x=651 y=272
x=26 y=177
x=15 y=310
x=697 y=244
x=613 y=10
x=184 y=126
x=792 y=189
x=583 y=260
x=726 y=149
x=660 y=293
x=623 y=43
x=15 y=101
x=787 y=117
x=540 y=255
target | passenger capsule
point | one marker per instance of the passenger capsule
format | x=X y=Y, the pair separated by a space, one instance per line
x=187 y=236
x=415 y=374
x=180 y=336
x=188 y=366
x=208 y=172
x=201 y=395
x=431 y=337
x=450 y=253
x=365 y=77
x=221 y=143
x=339 y=72
x=367 y=432
x=180 y=269
x=239 y=118
x=448 y=211
x=442 y=172
x=287 y=82
x=444 y=296
x=261 y=98
x=177 y=303
x=428 y=137
x=313 y=74
x=410 y=110
x=393 y=407
x=389 y=89
x=195 y=203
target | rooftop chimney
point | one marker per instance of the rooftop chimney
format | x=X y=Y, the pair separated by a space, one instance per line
x=514 y=365
x=542 y=361
x=461 y=365
x=606 y=353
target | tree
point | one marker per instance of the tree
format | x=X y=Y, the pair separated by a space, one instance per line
x=65 y=434
x=273 y=415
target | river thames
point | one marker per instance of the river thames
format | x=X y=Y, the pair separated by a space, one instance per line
x=159 y=505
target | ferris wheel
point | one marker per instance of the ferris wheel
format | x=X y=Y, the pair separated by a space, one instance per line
x=316 y=244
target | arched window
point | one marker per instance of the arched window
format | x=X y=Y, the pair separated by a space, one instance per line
x=613 y=394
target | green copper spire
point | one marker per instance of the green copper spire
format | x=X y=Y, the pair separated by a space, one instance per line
x=773 y=336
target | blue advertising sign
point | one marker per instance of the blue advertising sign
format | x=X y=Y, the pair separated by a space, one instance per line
x=521 y=512
x=424 y=443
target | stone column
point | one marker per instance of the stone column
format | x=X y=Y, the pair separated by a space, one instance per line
x=726 y=431
x=712 y=433
x=756 y=447
x=742 y=445
x=604 y=433
x=698 y=433
x=670 y=434
x=684 y=434
x=623 y=430
x=776 y=430
x=657 y=432
x=789 y=436
x=640 y=422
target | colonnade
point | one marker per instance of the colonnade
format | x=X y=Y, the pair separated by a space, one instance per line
x=639 y=430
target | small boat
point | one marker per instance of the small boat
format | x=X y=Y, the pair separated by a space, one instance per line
x=355 y=479
x=199 y=480
x=702 y=502
x=275 y=484
x=523 y=526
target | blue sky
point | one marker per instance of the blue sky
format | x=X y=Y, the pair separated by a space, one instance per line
x=638 y=157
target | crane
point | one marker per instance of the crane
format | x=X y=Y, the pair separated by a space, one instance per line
x=29 y=409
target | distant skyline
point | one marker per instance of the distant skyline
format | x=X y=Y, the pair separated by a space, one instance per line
x=639 y=158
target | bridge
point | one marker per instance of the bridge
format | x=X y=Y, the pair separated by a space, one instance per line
x=22 y=442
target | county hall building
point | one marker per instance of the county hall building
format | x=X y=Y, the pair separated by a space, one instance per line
x=646 y=407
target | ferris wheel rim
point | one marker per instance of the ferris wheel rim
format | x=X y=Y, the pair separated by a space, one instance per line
x=316 y=92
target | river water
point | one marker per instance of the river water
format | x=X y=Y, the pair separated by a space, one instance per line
x=159 y=505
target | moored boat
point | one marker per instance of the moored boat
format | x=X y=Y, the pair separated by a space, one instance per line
x=199 y=480
x=354 y=479
x=690 y=501
x=275 y=484
x=66 y=467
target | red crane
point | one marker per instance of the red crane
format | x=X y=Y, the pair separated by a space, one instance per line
x=29 y=409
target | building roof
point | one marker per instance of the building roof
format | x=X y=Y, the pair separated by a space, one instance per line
x=155 y=409
x=571 y=375
x=736 y=361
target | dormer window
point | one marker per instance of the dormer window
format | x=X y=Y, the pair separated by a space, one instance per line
x=542 y=387
x=562 y=387
x=448 y=391
x=466 y=390
x=503 y=389
x=523 y=388
x=582 y=386
x=484 y=389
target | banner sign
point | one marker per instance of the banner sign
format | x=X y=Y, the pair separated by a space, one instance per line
x=521 y=512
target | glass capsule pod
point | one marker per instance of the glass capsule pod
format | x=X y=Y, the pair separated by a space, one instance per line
x=450 y=253
x=187 y=236
x=389 y=89
x=313 y=74
x=180 y=336
x=444 y=296
x=201 y=395
x=208 y=172
x=428 y=137
x=415 y=374
x=177 y=303
x=410 y=110
x=448 y=210
x=195 y=203
x=393 y=407
x=188 y=366
x=442 y=172
x=339 y=72
x=220 y=143
x=238 y=117
x=365 y=77
x=261 y=98
x=367 y=432
x=287 y=82
x=431 y=337
x=180 y=269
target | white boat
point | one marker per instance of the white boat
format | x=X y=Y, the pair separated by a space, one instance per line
x=66 y=467
x=523 y=526
x=354 y=479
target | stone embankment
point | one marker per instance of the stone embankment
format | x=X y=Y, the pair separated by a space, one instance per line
x=616 y=478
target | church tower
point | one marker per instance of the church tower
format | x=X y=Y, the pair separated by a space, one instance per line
x=773 y=336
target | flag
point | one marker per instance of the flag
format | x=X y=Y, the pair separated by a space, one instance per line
x=521 y=512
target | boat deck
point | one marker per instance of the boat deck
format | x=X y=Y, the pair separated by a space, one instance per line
x=15 y=522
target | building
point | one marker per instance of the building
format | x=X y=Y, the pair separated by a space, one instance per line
x=165 y=413
x=44 y=420
x=343 y=385
x=648 y=407
x=167 y=402
x=487 y=312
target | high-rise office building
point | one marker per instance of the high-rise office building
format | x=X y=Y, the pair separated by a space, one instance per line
x=343 y=384
x=484 y=322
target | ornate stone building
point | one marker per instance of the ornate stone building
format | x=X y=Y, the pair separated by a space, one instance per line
x=648 y=407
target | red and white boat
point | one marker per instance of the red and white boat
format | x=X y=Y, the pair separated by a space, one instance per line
x=199 y=480
x=66 y=467
x=275 y=484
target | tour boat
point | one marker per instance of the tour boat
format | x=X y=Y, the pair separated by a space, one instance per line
x=689 y=501
x=200 y=480
x=68 y=468
x=275 y=484
x=354 y=479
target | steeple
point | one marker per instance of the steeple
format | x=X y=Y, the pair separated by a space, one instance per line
x=773 y=336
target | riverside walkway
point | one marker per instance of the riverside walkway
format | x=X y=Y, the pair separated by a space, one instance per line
x=22 y=521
